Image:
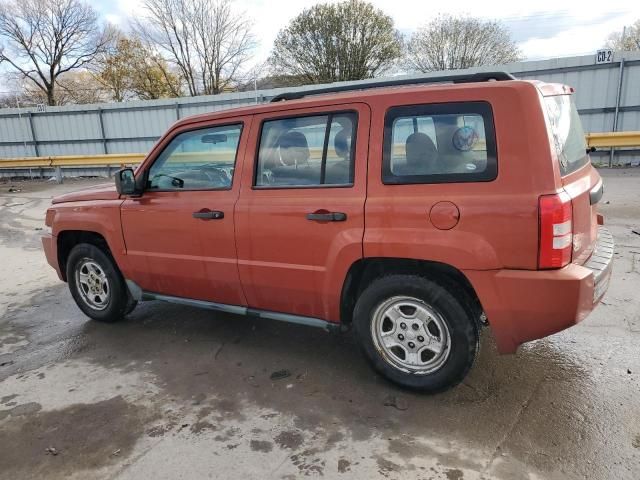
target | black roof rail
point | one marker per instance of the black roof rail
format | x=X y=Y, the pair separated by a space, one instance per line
x=464 y=78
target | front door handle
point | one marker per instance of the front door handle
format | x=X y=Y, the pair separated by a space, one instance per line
x=206 y=214
x=324 y=216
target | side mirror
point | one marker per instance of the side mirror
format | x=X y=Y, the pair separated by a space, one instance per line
x=126 y=182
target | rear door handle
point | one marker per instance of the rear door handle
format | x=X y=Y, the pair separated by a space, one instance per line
x=327 y=216
x=206 y=214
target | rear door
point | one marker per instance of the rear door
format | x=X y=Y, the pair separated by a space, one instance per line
x=300 y=216
x=179 y=234
x=579 y=178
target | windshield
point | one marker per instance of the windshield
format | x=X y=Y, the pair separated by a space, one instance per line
x=568 y=136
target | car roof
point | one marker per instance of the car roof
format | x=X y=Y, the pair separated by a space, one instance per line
x=360 y=95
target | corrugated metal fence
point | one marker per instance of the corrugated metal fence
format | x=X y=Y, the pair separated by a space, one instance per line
x=607 y=95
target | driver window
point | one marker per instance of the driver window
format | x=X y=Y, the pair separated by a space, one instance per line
x=201 y=159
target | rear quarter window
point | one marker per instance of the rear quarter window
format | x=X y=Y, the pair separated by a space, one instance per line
x=567 y=134
x=439 y=143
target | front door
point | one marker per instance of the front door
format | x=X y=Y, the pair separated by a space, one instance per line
x=300 y=215
x=179 y=234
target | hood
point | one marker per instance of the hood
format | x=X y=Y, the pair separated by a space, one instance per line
x=104 y=191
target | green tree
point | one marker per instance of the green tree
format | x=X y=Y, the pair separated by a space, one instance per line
x=133 y=70
x=631 y=40
x=351 y=40
x=155 y=80
x=448 y=43
x=114 y=70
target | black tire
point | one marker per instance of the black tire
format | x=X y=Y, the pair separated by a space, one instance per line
x=451 y=308
x=118 y=301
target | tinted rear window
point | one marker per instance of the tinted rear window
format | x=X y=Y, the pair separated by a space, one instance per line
x=566 y=129
x=439 y=143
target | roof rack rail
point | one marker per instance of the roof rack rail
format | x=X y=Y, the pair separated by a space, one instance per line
x=465 y=78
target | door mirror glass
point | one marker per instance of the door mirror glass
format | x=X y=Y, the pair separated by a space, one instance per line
x=126 y=182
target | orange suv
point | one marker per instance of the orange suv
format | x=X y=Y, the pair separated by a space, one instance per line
x=415 y=213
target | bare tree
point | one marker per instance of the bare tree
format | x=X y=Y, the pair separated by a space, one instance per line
x=449 y=43
x=206 y=39
x=630 y=40
x=44 y=39
x=351 y=40
x=78 y=87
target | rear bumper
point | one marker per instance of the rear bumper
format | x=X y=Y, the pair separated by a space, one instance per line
x=524 y=305
x=600 y=263
x=50 y=247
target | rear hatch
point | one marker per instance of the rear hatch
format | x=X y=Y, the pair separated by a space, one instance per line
x=579 y=178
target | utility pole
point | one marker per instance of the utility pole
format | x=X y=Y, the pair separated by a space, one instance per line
x=618 y=93
x=255 y=87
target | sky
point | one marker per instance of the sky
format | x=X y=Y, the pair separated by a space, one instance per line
x=542 y=29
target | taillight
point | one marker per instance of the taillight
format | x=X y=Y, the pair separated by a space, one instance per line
x=556 y=230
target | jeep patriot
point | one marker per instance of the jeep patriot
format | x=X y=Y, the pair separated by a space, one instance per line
x=416 y=213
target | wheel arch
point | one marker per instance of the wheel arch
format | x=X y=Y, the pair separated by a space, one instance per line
x=365 y=270
x=67 y=239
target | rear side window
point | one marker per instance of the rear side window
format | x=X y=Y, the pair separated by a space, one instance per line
x=567 y=134
x=307 y=151
x=438 y=143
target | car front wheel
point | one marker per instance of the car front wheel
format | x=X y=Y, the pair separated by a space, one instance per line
x=415 y=332
x=96 y=284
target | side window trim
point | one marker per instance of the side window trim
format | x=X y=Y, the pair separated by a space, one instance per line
x=325 y=147
x=481 y=108
x=330 y=114
x=148 y=168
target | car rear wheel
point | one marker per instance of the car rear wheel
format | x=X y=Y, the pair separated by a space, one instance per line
x=96 y=284
x=415 y=332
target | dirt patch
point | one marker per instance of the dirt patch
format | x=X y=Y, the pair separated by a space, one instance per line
x=228 y=434
x=7 y=398
x=454 y=474
x=202 y=426
x=261 y=446
x=387 y=467
x=289 y=439
x=160 y=430
x=25 y=409
x=344 y=465
x=309 y=462
x=84 y=436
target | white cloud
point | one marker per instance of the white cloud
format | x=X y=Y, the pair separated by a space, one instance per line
x=580 y=40
x=545 y=28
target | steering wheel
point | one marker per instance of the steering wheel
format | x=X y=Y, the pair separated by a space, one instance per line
x=217 y=176
x=175 y=181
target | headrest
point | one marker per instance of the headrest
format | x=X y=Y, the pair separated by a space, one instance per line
x=294 y=149
x=341 y=143
x=420 y=148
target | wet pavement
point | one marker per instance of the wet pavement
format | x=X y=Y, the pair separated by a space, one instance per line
x=176 y=392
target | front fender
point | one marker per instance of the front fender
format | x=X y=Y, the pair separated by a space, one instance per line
x=101 y=217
